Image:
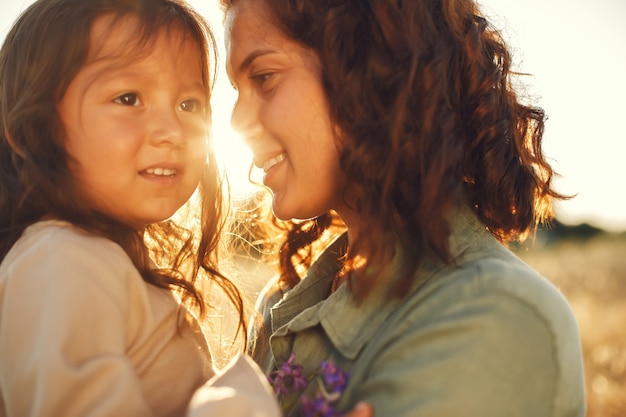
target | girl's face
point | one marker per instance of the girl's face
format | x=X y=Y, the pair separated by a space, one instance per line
x=282 y=113
x=136 y=125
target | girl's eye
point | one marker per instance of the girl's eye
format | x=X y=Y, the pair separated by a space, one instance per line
x=192 y=105
x=128 y=99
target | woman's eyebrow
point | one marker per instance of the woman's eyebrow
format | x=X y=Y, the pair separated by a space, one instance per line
x=245 y=64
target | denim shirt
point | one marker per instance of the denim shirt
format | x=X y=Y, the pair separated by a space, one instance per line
x=486 y=336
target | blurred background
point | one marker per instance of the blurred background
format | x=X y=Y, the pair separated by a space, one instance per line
x=574 y=54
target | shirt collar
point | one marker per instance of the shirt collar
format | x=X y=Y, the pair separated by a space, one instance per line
x=313 y=288
x=348 y=324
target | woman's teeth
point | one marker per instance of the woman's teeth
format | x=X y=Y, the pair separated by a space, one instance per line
x=273 y=161
x=165 y=172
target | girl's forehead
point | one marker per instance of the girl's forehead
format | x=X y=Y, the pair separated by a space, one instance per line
x=109 y=34
x=127 y=37
x=121 y=47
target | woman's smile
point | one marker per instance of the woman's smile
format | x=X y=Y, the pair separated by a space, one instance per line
x=272 y=162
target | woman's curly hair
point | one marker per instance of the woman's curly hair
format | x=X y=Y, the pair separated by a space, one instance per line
x=422 y=93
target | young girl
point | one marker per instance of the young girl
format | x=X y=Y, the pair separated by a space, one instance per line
x=104 y=106
x=400 y=117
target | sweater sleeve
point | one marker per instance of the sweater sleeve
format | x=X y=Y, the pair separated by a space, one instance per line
x=239 y=390
x=63 y=330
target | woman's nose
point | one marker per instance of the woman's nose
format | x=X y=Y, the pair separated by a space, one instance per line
x=244 y=119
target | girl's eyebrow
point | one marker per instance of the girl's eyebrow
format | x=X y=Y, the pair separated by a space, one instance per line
x=195 y=87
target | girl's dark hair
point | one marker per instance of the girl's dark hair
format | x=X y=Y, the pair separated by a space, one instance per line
x=42 y=53
x=422 y=93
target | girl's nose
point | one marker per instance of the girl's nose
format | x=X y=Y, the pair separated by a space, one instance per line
x=166 y=126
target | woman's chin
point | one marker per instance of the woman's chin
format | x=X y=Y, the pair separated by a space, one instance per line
x=284 y=209
x=279 y=210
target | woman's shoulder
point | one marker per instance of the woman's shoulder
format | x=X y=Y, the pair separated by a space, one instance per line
x=484 y=269
x=497 y=311
x=499 y=278
x=500 y=273
x=502 y=299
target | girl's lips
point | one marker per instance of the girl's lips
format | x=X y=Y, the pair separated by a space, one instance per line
x=163 y=169
x=158 y=171
x=168 y=174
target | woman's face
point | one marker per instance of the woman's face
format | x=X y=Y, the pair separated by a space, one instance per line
x=282 y=113
x=136 y=125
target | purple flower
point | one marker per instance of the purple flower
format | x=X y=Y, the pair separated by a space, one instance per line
x=288 y=377
x=318 y=407
x=331 y=383
x=335 y=379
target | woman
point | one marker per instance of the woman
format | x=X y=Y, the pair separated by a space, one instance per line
x=400 y=118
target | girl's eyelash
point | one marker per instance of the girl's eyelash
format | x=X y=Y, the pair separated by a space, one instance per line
x=193 y=105
x=128 y=99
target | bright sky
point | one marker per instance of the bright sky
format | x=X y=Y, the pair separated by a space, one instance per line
x=574 y=50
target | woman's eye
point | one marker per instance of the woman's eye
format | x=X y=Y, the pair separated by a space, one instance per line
x=128 y=99
x=192 y=106
x=261 y=78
